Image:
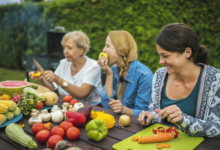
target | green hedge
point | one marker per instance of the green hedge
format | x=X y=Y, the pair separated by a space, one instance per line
x=142 y=18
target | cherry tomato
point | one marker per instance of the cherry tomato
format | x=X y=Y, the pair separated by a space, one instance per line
x=73 y=102
x=43 y=136
x=73 y=133
x=57 y=131
x=40 y=105
x=53 y=140
x=67 y=98
x=65 y=125
x=37 y=127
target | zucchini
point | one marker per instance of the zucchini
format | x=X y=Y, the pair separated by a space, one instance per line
x=17 y=134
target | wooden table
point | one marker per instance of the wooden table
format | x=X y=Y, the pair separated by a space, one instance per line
x=115 y=135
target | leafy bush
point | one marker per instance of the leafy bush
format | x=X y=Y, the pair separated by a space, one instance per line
x=142 y=18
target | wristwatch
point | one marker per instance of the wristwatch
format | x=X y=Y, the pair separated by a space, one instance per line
x=65 y=84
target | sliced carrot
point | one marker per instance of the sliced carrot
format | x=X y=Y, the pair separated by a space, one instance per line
x=159 y=137
x=159 y=146
x=134 y=138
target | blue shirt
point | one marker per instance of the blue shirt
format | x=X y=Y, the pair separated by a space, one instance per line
x=186 y=105
x=137 y=92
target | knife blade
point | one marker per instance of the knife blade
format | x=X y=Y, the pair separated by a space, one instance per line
x=38 y=66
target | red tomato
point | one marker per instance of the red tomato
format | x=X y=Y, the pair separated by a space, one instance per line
x=57 y=131
x=43 y=136
x=67 y=98
x=73 y=133
x=53 y=140
x=73 y=102
x=65 y=125
x=37 y=127
x=40 y=105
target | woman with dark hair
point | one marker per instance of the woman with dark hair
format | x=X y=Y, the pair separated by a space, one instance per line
x=186 y=92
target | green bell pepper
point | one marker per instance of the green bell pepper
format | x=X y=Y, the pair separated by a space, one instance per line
x=96 y=130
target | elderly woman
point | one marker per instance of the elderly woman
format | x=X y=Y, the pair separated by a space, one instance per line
x=77 y=75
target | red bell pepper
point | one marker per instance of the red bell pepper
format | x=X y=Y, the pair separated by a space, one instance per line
x=77 y=119
x=154 y=131
x=160 y=129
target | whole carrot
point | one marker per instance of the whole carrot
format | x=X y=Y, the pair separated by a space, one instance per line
x=159 y=137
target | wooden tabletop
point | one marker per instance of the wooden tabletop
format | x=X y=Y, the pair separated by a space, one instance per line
x=115 y=135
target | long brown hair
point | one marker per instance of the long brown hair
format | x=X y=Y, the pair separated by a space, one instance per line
x=176 y=37
x=127 y=48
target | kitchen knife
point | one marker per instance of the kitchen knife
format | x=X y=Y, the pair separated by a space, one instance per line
x=38 y=66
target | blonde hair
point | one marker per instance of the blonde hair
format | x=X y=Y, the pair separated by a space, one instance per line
x=126 y=47
x=79 y=37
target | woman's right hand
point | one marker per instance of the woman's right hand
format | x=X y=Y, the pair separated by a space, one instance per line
x=144 y=114
x=35 y=78
x=103 y=63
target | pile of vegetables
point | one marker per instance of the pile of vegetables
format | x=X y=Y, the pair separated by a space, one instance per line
x=8 y=110
x=29 y=100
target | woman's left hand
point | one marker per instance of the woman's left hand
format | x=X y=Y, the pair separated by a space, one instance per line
x=173 y=113
x=116 y=105
x=50 y=76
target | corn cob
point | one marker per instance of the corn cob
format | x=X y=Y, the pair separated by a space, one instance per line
x=3 y=109
x=10 y=104
x=2 y=119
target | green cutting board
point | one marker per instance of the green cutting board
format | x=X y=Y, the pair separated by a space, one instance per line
x=182 y=142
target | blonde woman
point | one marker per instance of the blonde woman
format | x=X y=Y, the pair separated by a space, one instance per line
x=77 y=75
x=128 y=82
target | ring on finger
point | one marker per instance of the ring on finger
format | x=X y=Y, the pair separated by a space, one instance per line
x=48 y=78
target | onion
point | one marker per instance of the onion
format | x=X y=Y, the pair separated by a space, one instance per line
x=124 y=120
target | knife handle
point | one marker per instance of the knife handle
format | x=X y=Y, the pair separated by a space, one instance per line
x=144 y=121
x=55 y=85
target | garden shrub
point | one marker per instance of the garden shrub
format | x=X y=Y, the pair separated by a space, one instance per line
x=142 y=18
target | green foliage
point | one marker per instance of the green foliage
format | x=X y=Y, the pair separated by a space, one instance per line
x=23 y=33
x=142 y=18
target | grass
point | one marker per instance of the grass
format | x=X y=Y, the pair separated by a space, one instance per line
x=10 y=74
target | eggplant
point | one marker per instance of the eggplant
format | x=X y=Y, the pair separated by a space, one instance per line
x=85 y=111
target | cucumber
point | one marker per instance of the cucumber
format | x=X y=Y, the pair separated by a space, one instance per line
x=17 y=134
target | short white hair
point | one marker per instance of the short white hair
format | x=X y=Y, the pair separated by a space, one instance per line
x=80 y=38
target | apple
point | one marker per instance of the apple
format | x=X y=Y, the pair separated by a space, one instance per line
x=103 y=54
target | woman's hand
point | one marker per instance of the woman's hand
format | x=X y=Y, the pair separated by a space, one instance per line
x=50 y=76
x=116 y=106
x=173 y=113
x=103 y=63
x=144 y=114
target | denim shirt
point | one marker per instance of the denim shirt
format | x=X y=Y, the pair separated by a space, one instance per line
x=138 y=85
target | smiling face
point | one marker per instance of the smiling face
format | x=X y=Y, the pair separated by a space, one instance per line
x=173 y=61
x=71 y=51
x=114 y=57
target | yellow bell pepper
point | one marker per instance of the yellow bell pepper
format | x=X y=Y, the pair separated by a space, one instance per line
x=36 y=74
x=101 y=115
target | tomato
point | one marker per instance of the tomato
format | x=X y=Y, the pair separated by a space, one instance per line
x=40 y=105
x=67 y=98
x=73 y=133
x=65 y=125
x=53 y=140
x=57 y=131
x=73 y=102
x=37 y=127
x=43 y=136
